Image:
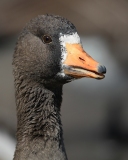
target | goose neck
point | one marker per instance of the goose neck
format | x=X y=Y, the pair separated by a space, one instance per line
x=39 y=122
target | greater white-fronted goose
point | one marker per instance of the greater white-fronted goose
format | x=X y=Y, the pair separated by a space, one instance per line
x=48 y=54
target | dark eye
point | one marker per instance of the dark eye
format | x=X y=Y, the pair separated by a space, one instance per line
x=46 y=39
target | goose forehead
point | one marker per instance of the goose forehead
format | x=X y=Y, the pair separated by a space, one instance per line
x=69 y=38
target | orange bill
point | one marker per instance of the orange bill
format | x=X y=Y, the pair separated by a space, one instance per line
x=79 y=64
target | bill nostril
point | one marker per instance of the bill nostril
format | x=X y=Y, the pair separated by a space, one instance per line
x=102 y=69
x=81 y=59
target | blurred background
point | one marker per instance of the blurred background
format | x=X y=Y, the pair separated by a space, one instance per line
x=94 y=113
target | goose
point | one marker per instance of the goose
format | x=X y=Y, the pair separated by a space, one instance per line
x=48 y=54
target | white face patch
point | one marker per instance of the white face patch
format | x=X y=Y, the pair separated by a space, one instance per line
x=67 y=38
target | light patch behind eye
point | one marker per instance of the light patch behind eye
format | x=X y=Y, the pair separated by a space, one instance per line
x=67 y=38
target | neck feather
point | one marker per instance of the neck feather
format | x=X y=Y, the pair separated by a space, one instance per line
x=39 y=129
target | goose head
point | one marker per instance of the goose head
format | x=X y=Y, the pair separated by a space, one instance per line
x=50 y=51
